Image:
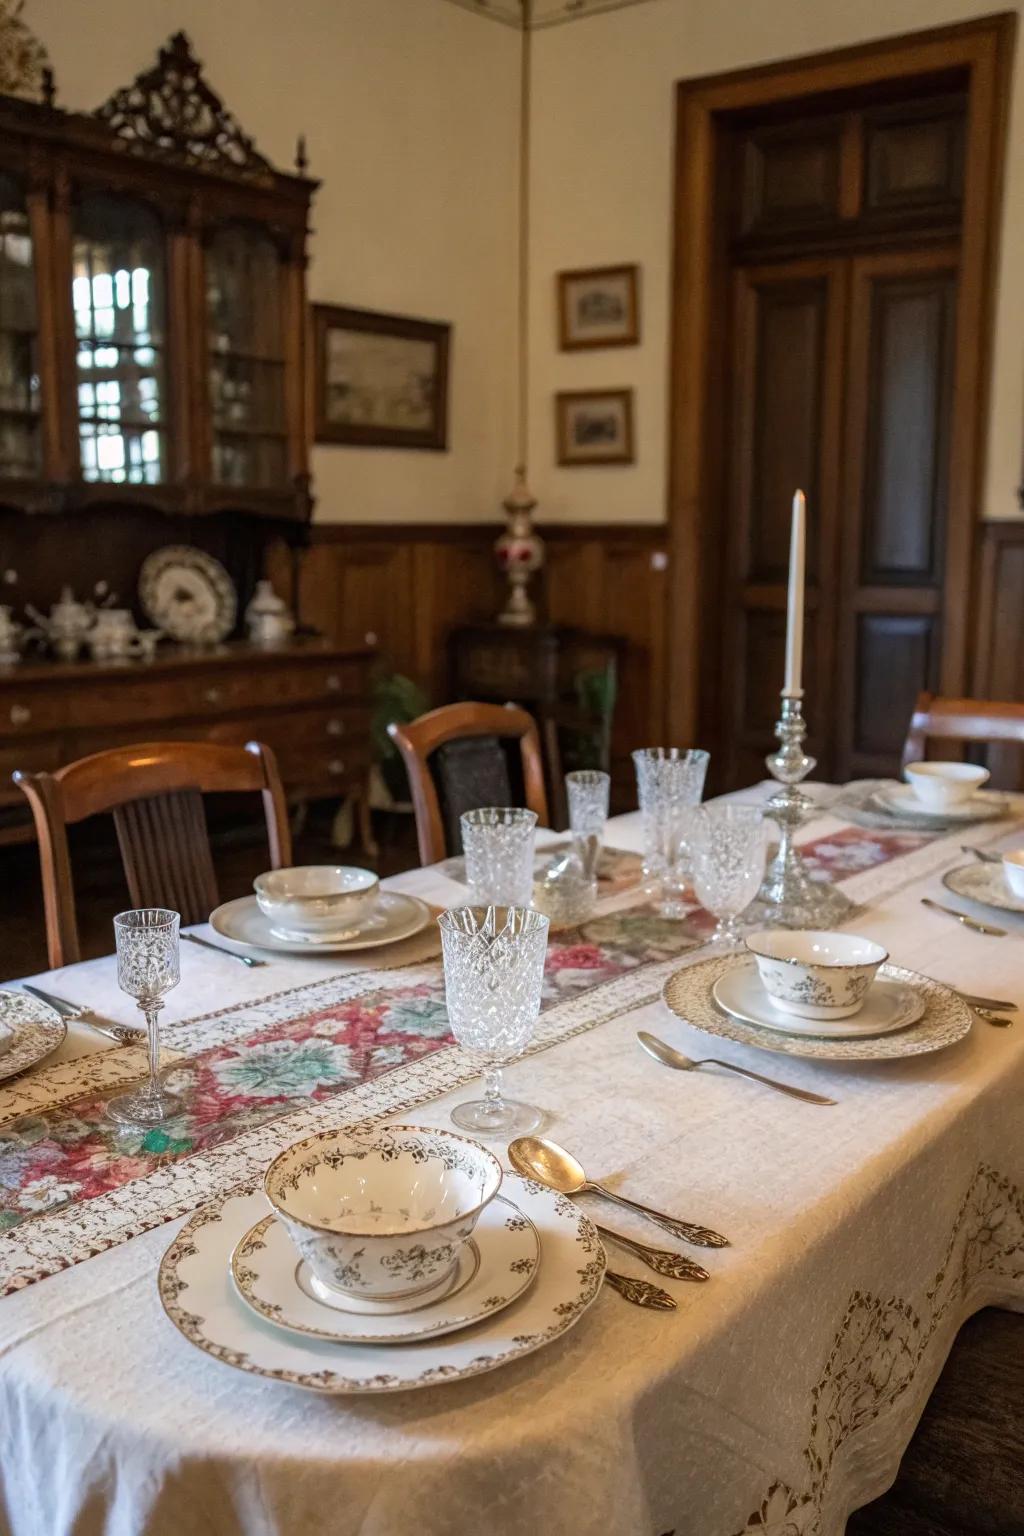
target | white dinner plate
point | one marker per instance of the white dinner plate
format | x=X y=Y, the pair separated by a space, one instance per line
x=900 y=800
x=495 y=1266
x=985 y=883
x=946 y=1017
x=397 y=917
x=889 y=1005
x=36 y=1030
x=199 y=1297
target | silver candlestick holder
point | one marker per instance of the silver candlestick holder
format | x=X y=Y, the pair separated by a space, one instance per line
x=789 y=897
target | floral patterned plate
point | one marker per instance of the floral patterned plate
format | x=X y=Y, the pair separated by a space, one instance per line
x=946 y=1017
x=198 y=1296
x=889 y=1005
x=496 y=1265
x=244 y=926
x=36 y=1028
x=985 y=883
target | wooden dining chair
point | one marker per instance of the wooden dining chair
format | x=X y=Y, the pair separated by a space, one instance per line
x=463 y=756
x=154 y=791
x=963 y=721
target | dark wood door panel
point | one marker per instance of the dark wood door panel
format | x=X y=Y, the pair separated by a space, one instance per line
x=789 y=177
x=896 y=657
x=914 y=157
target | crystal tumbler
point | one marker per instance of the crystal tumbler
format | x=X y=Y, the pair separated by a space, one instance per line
x=497 y=842
x=670 y=782
x=493 y=974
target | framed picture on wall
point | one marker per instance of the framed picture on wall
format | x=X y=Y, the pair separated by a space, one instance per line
x=594 y=426
x=599 y=307
x=380 y=381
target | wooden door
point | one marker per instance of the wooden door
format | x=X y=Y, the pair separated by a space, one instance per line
x=785 y=430
x=896 y=460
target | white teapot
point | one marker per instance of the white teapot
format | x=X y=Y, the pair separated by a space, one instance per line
x=267 y=617
x=67 y=626
x=113 y=636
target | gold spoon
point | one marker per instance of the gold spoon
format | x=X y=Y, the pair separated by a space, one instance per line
x=548 y=1163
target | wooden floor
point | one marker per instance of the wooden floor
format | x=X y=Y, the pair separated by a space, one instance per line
x=240 y=853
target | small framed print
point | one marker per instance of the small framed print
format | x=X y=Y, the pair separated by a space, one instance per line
x=594 y=426
x=599 y=307
x=380 y=381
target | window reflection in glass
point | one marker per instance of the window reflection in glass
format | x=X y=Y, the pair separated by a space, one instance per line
x=20 y=439
x=246 y=370
x=118 y=296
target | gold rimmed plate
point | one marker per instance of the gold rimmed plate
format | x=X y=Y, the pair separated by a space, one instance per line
x=398 y=916
x=36 y=1030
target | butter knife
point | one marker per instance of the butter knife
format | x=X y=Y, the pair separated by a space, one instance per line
x=220 y=949
x=961 y=917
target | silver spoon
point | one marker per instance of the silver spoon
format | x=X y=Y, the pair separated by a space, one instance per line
x=670 y=1057
x=550 y=1164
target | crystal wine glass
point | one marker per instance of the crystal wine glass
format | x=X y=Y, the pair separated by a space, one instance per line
x=728 y=845
x=670 y=782
x=497 y=842
x=493 y=973
x=148 y=967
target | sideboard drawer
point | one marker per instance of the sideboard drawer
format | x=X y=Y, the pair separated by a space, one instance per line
x=32 y=711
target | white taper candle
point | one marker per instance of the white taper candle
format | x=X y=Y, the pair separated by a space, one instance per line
x=792 y=688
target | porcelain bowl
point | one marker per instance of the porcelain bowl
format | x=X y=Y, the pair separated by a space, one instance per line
x=940 y=786
x=816 y=975
x=1013 y=871
x=317 y=900
x=382 y=1216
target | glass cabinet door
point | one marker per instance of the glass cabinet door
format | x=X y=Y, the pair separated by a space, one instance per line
x=20 y=405
x=119 y=297
x=246 y=359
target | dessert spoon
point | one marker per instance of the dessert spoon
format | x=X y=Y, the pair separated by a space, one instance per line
x=670 y=1057
x=550 y=1164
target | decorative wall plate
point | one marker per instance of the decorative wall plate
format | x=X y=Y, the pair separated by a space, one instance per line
x=889 y=1005
x=36 y=1028
x=496 y=1265
x=398 y=916
x=199 y=1297
x=946 y=1017
x=188 y=594
x=985 y=883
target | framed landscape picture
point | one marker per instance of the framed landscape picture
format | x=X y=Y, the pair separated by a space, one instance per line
x=594 y=426
x=598 y=307
x=381 y=381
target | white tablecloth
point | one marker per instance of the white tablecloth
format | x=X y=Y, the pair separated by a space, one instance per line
x=776 y=1399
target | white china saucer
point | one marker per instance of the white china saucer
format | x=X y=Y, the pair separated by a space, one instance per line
x=36 y=1030
x=985 y=883
x=946 y=1017
x=199 y=1298
x=900 y=800
x=889 y=1005
x=495 y=1266
x=397 y=917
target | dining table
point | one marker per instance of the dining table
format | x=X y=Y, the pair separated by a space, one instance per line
x=776 y=1398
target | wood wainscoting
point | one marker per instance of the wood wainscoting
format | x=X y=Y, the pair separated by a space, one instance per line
x=408 y=585
x=998 y=669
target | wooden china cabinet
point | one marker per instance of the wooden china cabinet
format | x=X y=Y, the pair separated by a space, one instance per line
x=153 y=392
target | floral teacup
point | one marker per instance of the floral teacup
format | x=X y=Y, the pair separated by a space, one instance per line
x=816 y=975
x=382 y=1217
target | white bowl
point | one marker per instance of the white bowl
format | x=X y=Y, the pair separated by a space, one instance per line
x=382 y=1216
x=1013 y=870
x=940 y=786
x=318 y=899
x=816 y=975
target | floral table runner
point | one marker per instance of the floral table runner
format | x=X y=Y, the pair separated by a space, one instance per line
x=334 y=1052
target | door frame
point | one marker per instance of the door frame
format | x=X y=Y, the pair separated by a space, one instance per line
x=984 y=48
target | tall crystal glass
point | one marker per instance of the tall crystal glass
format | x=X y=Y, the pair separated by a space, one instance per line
x=728 y=847
x=493 y=974
x=497 y=842
x=148 y=967
x=587 y=790
x=670 y=782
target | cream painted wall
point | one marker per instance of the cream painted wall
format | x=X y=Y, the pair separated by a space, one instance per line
x=410 y=110
x=603 y=127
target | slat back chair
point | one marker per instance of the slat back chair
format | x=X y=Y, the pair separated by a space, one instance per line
x=987 y=722
x=154 y=791
x=464 y=756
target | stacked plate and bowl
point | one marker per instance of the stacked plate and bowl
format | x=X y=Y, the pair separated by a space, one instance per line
x=323 y=909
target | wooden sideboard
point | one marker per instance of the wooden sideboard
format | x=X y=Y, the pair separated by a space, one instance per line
x=309 y=701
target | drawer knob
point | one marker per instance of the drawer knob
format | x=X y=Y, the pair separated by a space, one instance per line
x=336 y=765
x=212 y=695
x=334 y=683
x=20 y=714
x=335 y=727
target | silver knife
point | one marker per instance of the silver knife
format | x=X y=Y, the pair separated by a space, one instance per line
x=124 y=1034
x=961 y=917
x=221 y=949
